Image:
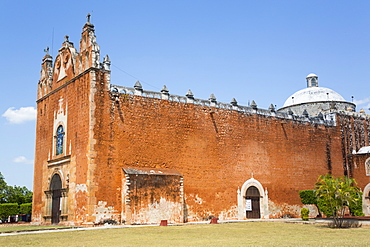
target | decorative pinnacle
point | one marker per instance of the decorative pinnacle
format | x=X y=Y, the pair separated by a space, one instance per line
x=253 y=104
x=234 y=102
x=212 y=98
x=164 y=89
x=106 y=59
x=138 y=86
x=66 y=38
x=190 y=94
x=272 y=108
x=88 y=17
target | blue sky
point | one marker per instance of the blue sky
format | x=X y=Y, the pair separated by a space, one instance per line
x=248 y=50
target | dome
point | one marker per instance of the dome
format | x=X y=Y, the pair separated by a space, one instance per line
x=313 y=94
x=311 y=75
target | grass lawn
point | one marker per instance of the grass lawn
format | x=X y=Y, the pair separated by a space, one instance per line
x=20 y=227
x=232 y=234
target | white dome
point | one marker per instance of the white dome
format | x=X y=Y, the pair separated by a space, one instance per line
x=311 y=75
x=313 y=94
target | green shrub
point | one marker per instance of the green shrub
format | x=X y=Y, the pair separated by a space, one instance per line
x=308 y=196
x=356 y=207
x=8 y=209
x=25 y=208
x=325 y=207
x=304 y=213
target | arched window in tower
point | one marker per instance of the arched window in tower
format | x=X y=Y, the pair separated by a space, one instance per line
x=59 y=140
x=313 y=82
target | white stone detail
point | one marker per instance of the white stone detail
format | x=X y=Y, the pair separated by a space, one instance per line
x=231 y=214
x=364 y=150
x=264 y=208
x=104 y=212
x=81 y=187
x=366 y=200
x=60 y=118
x=284 y=210
x=157 y=211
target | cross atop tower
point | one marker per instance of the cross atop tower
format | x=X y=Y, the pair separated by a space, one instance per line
x=88 y=17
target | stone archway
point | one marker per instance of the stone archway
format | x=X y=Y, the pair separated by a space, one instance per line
x=242 y=199
x=366 y=200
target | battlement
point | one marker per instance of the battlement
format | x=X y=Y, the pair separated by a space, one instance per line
x=328 y=119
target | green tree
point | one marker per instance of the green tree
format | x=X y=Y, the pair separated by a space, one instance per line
x=18 y=194
x=3 y=189
x=14 y=194
x=356 y=208
x=337 y=194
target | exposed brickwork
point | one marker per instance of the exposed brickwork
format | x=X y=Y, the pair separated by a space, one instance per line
x=216 y=150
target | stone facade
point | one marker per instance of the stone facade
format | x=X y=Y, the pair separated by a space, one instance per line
x=111 y=152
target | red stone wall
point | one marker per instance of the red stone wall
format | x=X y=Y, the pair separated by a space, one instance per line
x=216 y=150
x=75 y=98
x=359 y=172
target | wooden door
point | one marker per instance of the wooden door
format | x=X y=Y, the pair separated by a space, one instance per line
x=55 y=207
x=55 y=187
x=252 y=198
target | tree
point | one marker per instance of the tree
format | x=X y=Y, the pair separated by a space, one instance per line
x=335 y=194
x=3 y=188
x=13 y=194
x=18 y=194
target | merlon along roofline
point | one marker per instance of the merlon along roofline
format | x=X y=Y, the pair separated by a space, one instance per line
x=328 y=119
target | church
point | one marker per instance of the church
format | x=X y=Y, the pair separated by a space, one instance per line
x=114 y=152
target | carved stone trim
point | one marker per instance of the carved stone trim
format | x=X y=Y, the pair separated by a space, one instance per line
x=59 y=161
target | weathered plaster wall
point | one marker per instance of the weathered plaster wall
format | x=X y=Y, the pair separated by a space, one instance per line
x=72 y=98
x=152 y=198
x=216 y=150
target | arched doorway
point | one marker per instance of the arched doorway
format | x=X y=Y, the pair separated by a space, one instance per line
x=252 y=190
x=252 y=203
x=55 y=188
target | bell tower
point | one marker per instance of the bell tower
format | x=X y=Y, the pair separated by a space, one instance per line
x=46 y=75
x=89 y=50
x=68 y=91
